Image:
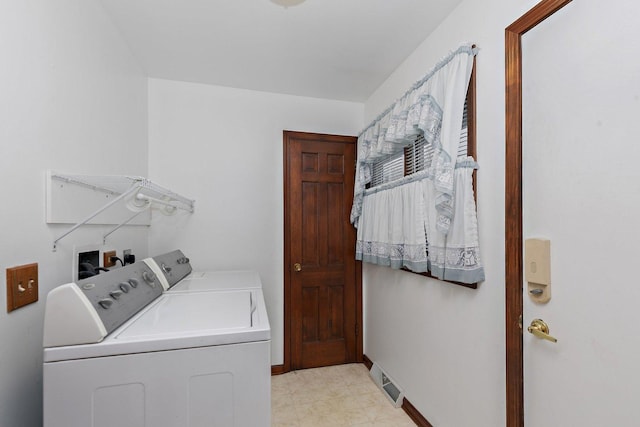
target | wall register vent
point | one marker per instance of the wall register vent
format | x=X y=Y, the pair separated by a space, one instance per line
x=387 y=385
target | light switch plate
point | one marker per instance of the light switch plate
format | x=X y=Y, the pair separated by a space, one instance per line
x=22 y=286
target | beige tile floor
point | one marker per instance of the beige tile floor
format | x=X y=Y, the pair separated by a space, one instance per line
x=334 y=396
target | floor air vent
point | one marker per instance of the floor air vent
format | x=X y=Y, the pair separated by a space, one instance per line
x=387 y=385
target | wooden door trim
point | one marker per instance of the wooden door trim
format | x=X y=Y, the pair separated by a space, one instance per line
x=513 y=205
x=288 y=138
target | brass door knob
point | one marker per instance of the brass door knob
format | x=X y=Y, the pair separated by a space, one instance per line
x=297 y=266
x=541 y=330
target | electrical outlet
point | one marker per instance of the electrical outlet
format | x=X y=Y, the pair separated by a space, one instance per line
x=22 y=286
x=127 y=257
x=106 y=259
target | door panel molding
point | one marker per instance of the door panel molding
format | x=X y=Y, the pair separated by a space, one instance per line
x=513 y=205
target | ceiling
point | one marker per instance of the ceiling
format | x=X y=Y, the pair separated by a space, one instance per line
x=334 y=49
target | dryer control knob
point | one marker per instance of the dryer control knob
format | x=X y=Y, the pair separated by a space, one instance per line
x=134 y=282
x=125 y=287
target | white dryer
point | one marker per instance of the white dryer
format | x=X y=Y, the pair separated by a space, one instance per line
x=121 y=351
x=198 y=281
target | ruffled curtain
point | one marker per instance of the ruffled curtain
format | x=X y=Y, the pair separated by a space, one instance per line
x=426 y=221
x=398 y=227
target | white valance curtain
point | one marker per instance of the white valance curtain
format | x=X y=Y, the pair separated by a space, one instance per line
x=425 y=221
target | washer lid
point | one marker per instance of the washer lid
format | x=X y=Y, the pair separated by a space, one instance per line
x=186 y=314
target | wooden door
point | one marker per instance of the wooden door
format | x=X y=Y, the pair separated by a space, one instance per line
x=322 y=289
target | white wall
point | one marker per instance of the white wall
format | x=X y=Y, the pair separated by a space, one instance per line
x=72 y=99
x=442 y=343
x=223 y=147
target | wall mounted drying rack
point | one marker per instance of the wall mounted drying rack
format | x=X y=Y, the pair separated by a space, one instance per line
x=137 y=193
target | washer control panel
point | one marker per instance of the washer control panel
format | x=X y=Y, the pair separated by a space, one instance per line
x=119 y=294
x=173 y=266
x=86 y=311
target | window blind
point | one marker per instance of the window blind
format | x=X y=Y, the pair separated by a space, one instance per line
x=415 y=158
x=387 y=170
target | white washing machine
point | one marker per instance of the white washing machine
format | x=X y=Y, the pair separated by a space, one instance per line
x=121 y=350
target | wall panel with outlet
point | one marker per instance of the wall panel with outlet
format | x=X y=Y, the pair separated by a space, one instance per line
x=95 y=254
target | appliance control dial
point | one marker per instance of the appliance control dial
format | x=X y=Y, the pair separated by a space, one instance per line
x=125 y=287
x=150 y=278
x=105 y=303
x=134 y=282
x=115 y=294
x=166 y=269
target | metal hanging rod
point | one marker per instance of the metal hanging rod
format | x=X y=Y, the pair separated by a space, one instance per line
x=123 y=187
